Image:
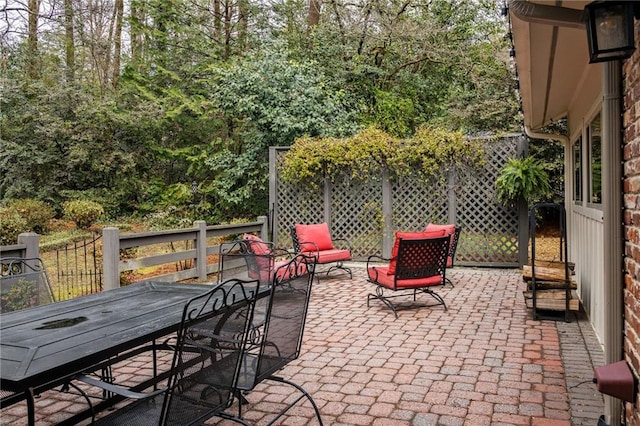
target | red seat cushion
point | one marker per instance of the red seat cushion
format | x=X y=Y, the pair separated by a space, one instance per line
x=449 y=229
x=380 y=275
x=316 y=233
x=408 y=236
x=286 y=273
x=333 y=255
x=256 y=245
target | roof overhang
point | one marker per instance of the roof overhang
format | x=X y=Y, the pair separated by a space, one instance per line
x=552 y=61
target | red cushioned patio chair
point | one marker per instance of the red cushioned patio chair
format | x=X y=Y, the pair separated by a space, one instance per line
x=418 y=264
x=315 y=240
x=453 y=231
x=260 y=258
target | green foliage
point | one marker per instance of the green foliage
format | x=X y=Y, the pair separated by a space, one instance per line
x=434 y=150
x=522 y=179
x=394 y=113
x=36 y=213
x=430 y=152
x=202 y=99
x=24 y=294
x=272 y=99
x=310 y=160
x=83 y=212
x=12 y=224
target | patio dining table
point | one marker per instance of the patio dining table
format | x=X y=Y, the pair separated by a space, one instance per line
x=46 y=346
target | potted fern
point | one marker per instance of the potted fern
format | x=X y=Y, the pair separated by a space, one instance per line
x=522 y=179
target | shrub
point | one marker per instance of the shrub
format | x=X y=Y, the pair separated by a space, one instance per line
x=83 y=212
x=37 y=213
x=12 y=224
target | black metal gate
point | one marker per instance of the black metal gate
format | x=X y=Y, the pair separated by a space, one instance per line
x=78 y=268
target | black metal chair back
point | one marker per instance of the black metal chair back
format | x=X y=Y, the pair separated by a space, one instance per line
x=453 y=246
x=287 y=314
x=278 y=330
x=207 y=360
x=422 y=258
x=24 y=283
x=249 y=259
x=278 y=339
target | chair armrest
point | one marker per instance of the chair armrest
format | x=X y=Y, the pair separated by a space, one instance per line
x=376 y=259
x=315 y=251
x=280 y=253
x=118 y=390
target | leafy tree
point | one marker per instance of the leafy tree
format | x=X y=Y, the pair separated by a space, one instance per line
x=204 y=88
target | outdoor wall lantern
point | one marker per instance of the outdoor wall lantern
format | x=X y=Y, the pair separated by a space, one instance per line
x=610 y=29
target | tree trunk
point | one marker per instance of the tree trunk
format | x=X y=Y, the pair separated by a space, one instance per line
x=32 y=42
x=228 y=13
x=313 y=18
x=243 y=15
x=217 y=20
x=136 y=35
x=117 y=42
x=70 y=46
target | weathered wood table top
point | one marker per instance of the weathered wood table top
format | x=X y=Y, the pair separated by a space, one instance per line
x=48 y=343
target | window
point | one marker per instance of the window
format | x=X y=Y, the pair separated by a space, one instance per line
x=595 y=161
x=577 y=170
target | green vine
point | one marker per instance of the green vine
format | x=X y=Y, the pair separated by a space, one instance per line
x=430 y=152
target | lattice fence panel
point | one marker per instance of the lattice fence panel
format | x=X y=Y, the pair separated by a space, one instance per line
x=295 y=206
x=490 y=230
x=356 y=214
x=416 y=203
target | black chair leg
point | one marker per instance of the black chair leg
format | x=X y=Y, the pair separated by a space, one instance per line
x=305 y=394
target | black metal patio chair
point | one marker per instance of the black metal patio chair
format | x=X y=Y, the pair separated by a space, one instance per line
x=250 y=257
x=278 y=340
x=207 y=361
x=420 y=265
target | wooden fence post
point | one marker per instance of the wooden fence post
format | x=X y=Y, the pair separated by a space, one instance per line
x=201 y=249
x=264 y=232
x=32 y=241
x=452 y=200
x=110 y=258
x=326 y=201
x=388 y=236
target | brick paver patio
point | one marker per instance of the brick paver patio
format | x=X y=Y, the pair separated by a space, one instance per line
x=484 y=361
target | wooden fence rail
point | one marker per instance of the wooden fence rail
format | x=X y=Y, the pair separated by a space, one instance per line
x=114 y=244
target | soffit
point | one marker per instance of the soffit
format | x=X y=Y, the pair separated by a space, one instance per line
x=552 y=63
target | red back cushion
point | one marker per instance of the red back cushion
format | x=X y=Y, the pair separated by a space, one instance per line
x=316 y=233
x=449 y=229
x=409 y=236
x=256 y=245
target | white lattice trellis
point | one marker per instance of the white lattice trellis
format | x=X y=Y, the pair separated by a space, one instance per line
x=355 y=209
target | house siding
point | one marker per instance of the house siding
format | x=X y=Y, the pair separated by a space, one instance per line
x=631 y=158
